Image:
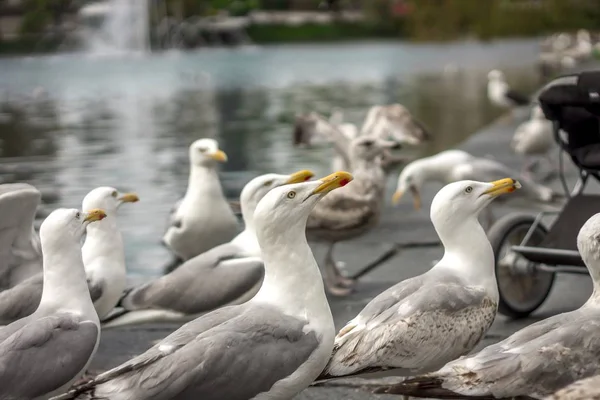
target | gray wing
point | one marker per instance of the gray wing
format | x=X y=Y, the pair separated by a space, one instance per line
x=45 y=354
x=402 y=126
x=226 y=352
x=201 y=284
x=21 y=300
x=584 y=389
x=539 y=367
x=398 y=324
x=18 y=205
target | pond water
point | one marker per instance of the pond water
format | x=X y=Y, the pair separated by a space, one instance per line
x=70 y=122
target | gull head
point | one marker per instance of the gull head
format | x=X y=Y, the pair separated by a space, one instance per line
x=411 y=179
x=108 y=199
x=495 y=75
x=461 y=200
x=67 y=224
x=588 y=244
x=258 y=187
x=206 y=152
x=286 y=208
x=368 y=148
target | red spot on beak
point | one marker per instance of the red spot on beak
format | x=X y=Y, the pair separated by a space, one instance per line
x=344 y=182
x=307 y=178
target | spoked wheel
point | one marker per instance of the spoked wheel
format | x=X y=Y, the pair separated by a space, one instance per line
x=522 y=286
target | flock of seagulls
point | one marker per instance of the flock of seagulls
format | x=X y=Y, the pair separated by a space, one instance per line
x=253 y=299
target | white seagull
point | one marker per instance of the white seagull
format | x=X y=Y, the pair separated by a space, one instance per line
x=421 y=323
x=44 y=353
x=534 y=137
x=202 y=219
x=500 y=94
x=271 y=347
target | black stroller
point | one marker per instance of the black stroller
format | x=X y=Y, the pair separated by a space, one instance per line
x=528 y=255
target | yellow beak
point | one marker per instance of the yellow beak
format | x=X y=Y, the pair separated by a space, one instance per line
x=95 y=214
x=129 y=198
x=300 y=176
x=333 y=181
x=219 y=155
x=502 y=186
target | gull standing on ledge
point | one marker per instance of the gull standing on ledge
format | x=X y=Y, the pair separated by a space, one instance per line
x=286 y=331
x=455 y=165
x=228 y=274
x=534 y=137
x=44 y=353
x=500 y=94
x=103 y=257
x=421 y=323
x=202 y=219
x=21 y=256
x=535 y=361
x=353 y=210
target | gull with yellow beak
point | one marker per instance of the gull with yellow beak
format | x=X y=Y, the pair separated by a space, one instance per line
x=103 y=258
x=44 y=353
x=456 y=165
x=202 y=219
x=286 y=330
x=228 y=274
x=422 y=323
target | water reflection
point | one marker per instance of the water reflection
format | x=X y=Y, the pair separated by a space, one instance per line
x=128 y=123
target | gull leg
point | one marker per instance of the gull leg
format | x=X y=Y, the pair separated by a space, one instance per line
x=334 y=281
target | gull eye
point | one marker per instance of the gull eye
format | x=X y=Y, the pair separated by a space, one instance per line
x=114 y=194
x=268 y=183
x=291 y=195
x=202 y=149
x=78 y=215
x=367 y=143
x=469 y=189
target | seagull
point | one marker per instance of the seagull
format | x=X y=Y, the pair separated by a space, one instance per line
x=394 y=122
x=584 y=389
x=500 y=94
x=44 y=353
x=103 y=257
x=535 y=361
x=202 y=219
x=534 y=137
x=352 y=211
x=455 y=165
x=286 y=329
x=421 y=323
x=21 y=255
x=230 y=273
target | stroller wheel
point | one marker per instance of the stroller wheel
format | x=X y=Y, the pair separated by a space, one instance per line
x=522 y=287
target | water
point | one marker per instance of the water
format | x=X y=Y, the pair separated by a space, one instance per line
x=70 y=123
x=123 y=28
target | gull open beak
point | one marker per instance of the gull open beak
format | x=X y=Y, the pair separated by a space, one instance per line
x=219 y=156
x=502 y=186
x=300 y=176
x=95 y=214
x=333 y=181
x=129 y=198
